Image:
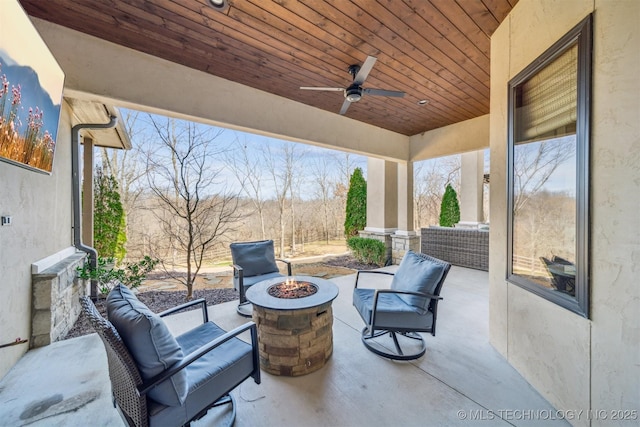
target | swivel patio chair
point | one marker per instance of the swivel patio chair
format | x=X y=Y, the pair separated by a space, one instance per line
x=161 y=380
x=253 y=262
x=408 y=307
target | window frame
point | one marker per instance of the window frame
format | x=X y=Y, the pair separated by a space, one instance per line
x=580 y=35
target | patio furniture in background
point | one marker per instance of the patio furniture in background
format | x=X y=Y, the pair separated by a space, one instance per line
x=161 y=380
x=408 y=307
x=563 y=274
x=253 y=262
x=459 y=246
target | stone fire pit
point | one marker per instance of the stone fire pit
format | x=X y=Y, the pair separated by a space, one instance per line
x=295 y=323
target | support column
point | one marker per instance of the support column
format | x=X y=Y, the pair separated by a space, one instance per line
x=405 y=238
x=87 y=192
x=382 y=201
x=471 y=184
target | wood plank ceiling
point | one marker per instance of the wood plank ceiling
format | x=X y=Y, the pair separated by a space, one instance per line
x=436 y=50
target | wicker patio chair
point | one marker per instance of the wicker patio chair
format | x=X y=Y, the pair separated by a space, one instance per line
x=181 y=385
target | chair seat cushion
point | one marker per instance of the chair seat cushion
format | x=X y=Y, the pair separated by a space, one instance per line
x=392 y=312
x=250 y=281
x=254 y=257
x=417 y=274
x=208 y=377
x=150 y=343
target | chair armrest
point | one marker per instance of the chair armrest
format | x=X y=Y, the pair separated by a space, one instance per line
x=288 y=265
x=237 y=271
x=395 y=291
x=196 y=354
x=388 y=273
x=202 y=301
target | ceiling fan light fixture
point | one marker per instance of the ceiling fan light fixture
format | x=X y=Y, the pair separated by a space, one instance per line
x=353 y=93
x=219 y=5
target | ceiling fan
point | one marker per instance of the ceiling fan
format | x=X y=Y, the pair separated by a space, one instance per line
x=355 y=91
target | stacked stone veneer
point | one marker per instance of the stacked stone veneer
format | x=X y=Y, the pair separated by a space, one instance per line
x=401 y=244
x=55 y=301
x=459 y=246
x=294 y=342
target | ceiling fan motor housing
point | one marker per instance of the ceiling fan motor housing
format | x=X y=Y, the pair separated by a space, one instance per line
x=353 y=93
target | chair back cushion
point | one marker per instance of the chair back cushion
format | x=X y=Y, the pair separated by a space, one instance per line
x=417 y=274
x=149 y=341
x=255 y=258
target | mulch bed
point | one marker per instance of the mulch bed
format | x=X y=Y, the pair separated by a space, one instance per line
x=158 y=301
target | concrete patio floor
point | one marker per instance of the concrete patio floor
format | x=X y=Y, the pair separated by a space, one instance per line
x=460 y=380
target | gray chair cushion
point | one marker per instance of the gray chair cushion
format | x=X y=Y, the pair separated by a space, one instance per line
x=255 y=258
x=208 y=377
x=150 y=343
x=250 y=281
x=418 y=275
x=393 y=312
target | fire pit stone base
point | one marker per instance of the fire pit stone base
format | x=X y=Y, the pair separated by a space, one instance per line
x=294 y=342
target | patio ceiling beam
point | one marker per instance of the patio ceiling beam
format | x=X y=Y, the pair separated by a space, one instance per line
x=135 y=80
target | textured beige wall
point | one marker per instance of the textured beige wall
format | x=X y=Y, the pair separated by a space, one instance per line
x=382 y=195
x=124 y=77
x=469 y=135
x=574 y=362
x=41 y=209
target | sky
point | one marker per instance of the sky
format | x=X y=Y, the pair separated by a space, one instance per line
x=228 y=140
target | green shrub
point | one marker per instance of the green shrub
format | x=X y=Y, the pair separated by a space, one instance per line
x=368 y=251
x=131 y=275
x=356 y=211
x=449 y=209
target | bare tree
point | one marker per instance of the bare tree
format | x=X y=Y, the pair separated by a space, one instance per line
x=323 y=190
x=533 y=165
x=191 y=213
x=280 y=168
x=247 y=170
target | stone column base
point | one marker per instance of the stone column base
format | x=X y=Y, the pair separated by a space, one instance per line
x=401 y=244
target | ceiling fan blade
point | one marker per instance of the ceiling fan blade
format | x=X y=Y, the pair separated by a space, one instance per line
x=382 y=92
x=345 y=106
x=365 y=70
x=333 y=89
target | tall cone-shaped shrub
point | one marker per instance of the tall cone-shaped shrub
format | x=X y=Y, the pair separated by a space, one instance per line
x=449 y=208
x=356 y=211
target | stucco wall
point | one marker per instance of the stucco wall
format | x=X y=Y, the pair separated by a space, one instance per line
x=469 y=135
x=40 y=206
x=576 y=363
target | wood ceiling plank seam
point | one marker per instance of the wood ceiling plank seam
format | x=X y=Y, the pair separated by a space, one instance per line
x=338 y=84
x=418 y=88
x=477 y=93
x=205 y=47
x=381 y=114
x=382 y=111
x=425 y=38
x=127 y=38
x=397 y=64
x=459 y=21
x=422 y=59
x=160 y=49
x=498 y=8
x=442 y=27
x=479 y=14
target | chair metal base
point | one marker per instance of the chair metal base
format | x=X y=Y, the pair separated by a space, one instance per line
x=224 y=400
x=245 y=309
x=380 y=349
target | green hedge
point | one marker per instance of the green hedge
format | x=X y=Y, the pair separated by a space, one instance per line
x=369 y=251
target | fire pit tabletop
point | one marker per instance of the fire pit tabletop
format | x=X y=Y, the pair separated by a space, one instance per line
x=258 y=294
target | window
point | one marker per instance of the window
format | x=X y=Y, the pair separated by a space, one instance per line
x=548 y=174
